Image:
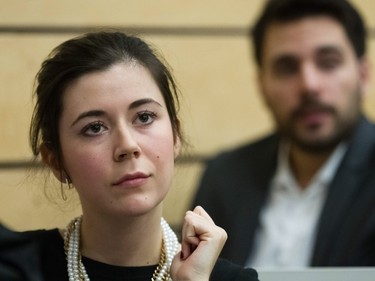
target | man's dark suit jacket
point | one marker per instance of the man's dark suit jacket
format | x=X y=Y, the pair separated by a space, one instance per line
x=235 y=186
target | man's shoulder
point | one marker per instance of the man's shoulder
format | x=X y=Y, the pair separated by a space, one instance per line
x=266 y=145
x=361 y=145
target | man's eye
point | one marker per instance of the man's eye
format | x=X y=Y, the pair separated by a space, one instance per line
x=328 y=63
x=285 y=68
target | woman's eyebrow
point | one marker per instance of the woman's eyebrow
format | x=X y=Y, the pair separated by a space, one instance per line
x=90 y=113
x=140 y=102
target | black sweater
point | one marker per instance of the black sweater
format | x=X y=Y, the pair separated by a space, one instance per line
x=39 y=256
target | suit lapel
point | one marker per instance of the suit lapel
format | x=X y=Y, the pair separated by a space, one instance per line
x=344 y=187
x=254 y=193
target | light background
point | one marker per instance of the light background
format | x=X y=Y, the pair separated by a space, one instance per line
x=206 y=44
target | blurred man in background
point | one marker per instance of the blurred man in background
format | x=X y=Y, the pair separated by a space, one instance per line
x=304 y=195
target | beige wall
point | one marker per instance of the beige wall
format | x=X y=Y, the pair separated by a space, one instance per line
x=220 y=107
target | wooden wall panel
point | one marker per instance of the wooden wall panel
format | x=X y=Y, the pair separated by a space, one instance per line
x=127 y=12
x=24 y=205
x=20 y=58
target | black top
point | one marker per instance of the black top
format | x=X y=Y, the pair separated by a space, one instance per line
x=39 y=255
x=52 y=245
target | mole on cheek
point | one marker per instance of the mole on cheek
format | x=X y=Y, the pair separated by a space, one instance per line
x=158 y=156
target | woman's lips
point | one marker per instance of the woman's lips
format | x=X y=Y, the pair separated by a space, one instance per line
x=132 y=180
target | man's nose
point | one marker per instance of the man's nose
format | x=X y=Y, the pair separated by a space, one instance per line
x=310 y=79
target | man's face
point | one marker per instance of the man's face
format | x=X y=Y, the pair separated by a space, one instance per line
x=312 y=81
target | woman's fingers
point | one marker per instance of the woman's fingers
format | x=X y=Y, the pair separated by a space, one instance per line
x=200 y=211
x=199 y=228
x=202 y=242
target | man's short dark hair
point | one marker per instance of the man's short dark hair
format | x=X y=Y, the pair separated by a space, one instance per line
x=290 y=10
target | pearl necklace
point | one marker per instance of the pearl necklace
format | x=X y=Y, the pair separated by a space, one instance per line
x=77 y=271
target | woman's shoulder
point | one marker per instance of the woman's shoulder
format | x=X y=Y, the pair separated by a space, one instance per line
x=21 y=252
x=225 y=270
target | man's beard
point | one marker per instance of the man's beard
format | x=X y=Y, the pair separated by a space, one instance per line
x=342 y=126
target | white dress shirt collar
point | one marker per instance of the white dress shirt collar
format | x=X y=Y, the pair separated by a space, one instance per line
x=286 y=235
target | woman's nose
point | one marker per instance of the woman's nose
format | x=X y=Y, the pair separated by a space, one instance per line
x=126 y=145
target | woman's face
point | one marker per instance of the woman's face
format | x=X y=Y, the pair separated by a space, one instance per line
x=117 y=142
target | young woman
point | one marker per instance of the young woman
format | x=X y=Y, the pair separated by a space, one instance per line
x=106 y=124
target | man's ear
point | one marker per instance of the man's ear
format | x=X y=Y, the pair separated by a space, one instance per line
x=365 y=74
x=50 y=158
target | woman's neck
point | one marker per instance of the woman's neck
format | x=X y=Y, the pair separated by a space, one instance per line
x=134 y=241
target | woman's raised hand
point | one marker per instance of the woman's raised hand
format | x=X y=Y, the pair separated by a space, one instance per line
x=201 y=243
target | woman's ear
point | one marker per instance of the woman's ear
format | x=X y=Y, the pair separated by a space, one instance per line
x=50 y=158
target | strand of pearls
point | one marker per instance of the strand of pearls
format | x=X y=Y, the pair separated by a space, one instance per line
x=77 y=271
x=171 y=246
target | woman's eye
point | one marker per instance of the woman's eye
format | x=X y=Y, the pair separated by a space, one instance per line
x=93 y=129
x=145 y=117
